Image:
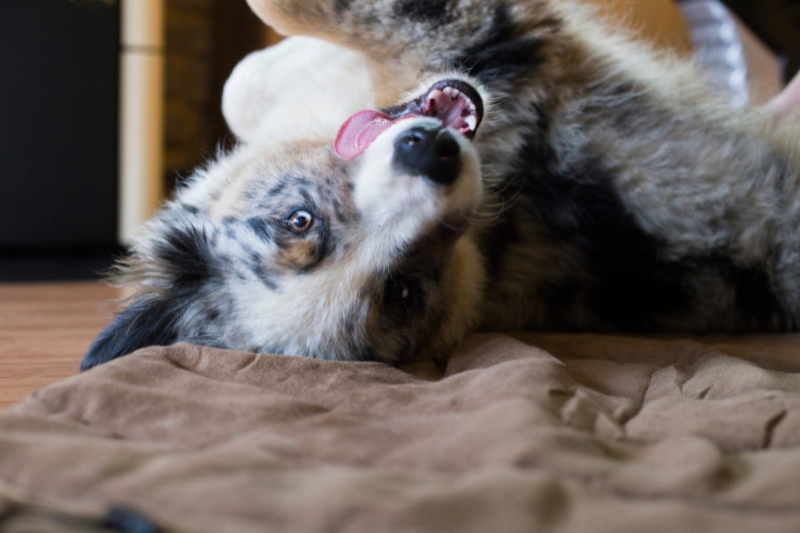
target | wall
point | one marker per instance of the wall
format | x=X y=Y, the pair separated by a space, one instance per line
x=189 y=129
x=205 y=39
x=658 y=21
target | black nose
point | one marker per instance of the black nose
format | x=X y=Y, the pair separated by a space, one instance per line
x=428 y=151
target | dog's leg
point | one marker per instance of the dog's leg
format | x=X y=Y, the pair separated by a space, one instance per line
x=403 y=38
x=272 y=96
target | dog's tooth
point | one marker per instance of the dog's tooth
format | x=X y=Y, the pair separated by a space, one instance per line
x=435 y=95
x=472 y=122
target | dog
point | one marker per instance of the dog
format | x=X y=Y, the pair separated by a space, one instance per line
x=411 y=171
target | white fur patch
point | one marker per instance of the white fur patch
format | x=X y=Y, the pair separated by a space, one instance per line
x=274 y=95
x=400 y=207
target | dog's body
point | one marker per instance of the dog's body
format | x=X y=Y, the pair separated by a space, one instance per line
x=604 y=190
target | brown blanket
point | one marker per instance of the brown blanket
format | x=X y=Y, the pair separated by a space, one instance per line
x=562 y=433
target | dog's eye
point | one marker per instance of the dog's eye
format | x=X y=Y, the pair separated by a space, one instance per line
x=397 y=290
x=300 y=221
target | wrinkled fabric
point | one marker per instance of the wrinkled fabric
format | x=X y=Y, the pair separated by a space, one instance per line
x=566 y=433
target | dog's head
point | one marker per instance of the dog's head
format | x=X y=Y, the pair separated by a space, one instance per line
x=350 y=253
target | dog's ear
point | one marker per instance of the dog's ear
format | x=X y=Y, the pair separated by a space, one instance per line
x=148 y=321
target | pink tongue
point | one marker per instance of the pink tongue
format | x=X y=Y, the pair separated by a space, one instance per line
x=359 y=131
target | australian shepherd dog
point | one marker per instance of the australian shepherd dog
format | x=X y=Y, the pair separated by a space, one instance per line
x=411 y=171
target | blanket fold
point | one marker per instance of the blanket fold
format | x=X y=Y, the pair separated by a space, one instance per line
x=567 y=433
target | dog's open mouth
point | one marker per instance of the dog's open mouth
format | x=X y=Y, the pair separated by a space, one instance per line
x=457 y=104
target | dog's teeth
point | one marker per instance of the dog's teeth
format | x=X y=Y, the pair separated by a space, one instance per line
x=471 y=122
x=435 y=95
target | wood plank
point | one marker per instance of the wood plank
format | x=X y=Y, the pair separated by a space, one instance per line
x=45 y=329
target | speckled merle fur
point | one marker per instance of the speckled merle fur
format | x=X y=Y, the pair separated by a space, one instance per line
x=618 y=195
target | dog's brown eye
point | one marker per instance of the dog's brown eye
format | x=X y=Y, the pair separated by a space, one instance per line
x=398 y=290
x=301 y=221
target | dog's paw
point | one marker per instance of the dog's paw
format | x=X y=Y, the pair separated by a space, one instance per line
x=298 y=88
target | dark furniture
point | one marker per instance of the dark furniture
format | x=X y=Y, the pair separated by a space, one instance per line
x=777 y=23
x=59 y=66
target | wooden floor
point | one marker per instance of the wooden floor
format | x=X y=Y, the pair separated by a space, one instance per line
x=44 y=332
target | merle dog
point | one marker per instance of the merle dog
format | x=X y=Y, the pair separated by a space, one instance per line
x=528 y=169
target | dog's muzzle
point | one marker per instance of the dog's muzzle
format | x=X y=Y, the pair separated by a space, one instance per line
x=456 y=104
x=428 y=151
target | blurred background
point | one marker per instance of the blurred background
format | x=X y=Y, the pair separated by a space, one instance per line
x=106 y=104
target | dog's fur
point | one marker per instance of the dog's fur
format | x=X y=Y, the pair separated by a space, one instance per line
x=605 y=190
